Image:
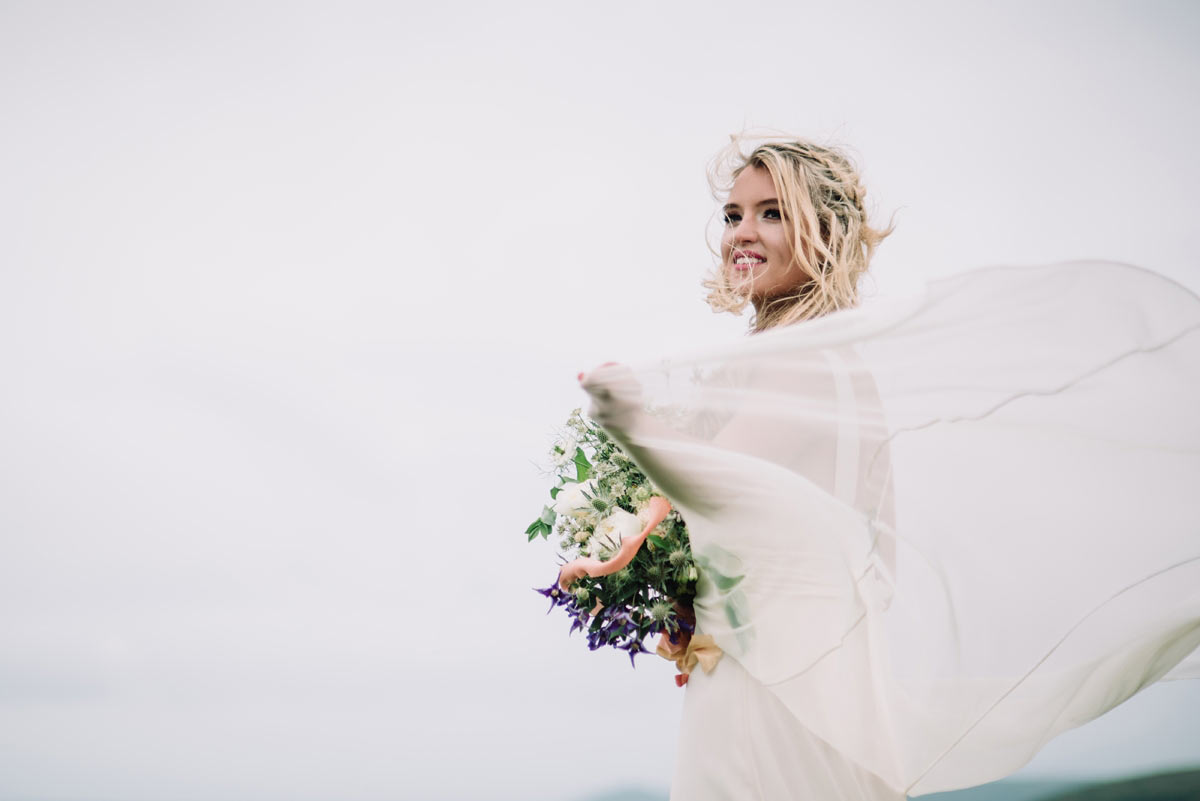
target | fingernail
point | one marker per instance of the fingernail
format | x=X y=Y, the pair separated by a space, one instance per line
x=580 y=376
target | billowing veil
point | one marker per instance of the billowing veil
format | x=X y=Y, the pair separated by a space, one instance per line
x=943 y=528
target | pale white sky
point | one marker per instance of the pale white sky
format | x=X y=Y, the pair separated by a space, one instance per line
x=292 y=296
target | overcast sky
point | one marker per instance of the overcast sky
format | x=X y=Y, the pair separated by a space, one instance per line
x=292 y=296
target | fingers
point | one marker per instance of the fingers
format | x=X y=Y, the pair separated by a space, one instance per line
x=615 y=393
x=581 y=375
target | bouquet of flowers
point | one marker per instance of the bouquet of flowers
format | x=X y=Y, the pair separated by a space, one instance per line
x=627 y=568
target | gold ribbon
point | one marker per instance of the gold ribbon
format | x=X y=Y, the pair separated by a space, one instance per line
x=702 y=650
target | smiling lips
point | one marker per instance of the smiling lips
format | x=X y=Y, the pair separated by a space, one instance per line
x=745 y=259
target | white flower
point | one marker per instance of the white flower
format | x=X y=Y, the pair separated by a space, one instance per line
x=602 y=470
x=571 y=501
x=612 y=530
x=563 y=451
x=641 y=495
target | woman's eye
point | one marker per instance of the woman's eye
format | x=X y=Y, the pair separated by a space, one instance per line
x=772 y=214
x=733 y=219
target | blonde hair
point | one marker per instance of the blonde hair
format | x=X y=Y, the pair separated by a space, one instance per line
x=819 y=190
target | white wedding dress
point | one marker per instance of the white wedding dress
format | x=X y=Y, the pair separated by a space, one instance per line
x=933 y=532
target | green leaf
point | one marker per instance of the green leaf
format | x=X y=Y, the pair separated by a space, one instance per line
x=583 y=468
x=658 y=541
x=554 y=492
x=548 y=516
x=725 y=583
x=534 y=527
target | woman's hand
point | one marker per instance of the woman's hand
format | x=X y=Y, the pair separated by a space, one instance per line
x=682 y=475
x=674 y=649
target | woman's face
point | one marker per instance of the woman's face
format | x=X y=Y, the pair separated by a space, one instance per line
x=754 y=248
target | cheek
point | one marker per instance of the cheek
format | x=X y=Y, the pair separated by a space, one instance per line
x=777 y=244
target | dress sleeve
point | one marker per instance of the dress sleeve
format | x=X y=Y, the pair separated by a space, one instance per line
x=944 y=528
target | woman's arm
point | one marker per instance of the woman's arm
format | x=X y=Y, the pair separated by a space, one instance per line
x=686 y=469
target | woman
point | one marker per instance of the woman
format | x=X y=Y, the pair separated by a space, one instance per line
x=935 y=532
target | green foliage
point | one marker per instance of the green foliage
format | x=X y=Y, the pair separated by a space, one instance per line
x=583 y=468
x=660 y=574
x=725 y=583
x=544 y=525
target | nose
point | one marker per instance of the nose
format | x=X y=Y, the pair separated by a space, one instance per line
x=745 y=231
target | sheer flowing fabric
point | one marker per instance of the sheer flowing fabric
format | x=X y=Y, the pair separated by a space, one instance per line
x=941 y=529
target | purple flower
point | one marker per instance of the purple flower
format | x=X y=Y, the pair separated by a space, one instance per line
x=634 y=647
x=675 y=627
x=581 y=617
x=557 y=595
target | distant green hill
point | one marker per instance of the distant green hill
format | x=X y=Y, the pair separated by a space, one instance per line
x=1180 y=786
x=628 y=795
x=1008 y=790
x=1176 y=786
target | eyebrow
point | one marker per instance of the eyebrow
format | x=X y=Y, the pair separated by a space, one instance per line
x=768 y=202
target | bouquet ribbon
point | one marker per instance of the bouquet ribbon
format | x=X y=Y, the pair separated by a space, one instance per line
x=701 y=650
